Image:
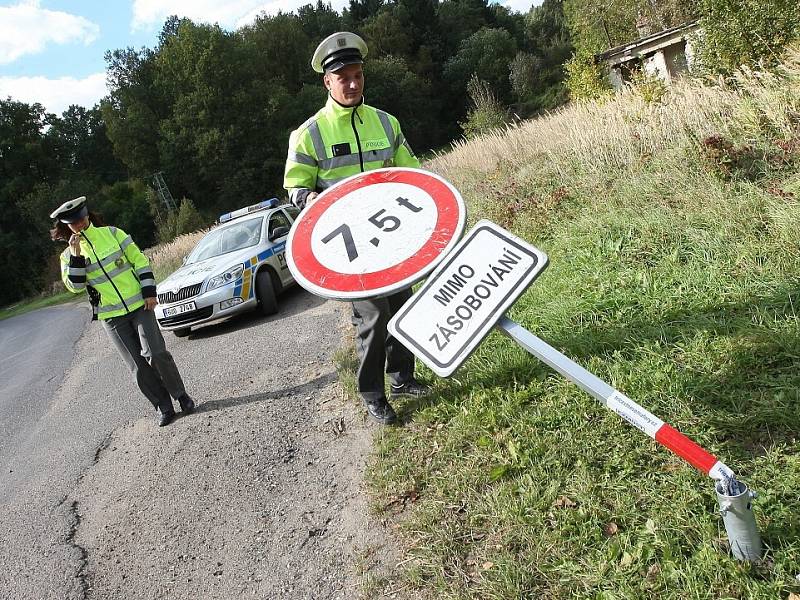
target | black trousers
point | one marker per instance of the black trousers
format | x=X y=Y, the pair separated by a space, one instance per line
x=377 y=349
x=141 y=345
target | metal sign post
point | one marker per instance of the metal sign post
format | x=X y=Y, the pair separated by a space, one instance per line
x=468 y=294
x=733 y=496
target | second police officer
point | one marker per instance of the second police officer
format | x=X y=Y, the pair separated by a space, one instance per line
x=344 y=138
x=107 y=263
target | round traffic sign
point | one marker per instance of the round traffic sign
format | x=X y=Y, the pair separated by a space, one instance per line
x=375 y=233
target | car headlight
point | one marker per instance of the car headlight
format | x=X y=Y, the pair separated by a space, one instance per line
x=228 y=276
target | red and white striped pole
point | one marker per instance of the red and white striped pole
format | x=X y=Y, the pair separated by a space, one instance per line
x=667 y=436
x=733 y=496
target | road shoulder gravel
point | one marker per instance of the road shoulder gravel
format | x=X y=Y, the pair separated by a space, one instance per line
x=259 y=493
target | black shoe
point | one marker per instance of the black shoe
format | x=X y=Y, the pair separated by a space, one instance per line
x=381 y=411
x=187 y=404
x=165 y=418
x=411 y=388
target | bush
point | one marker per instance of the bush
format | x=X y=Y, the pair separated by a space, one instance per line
x=650 y=87
x=725 y=160
x=487 y=113
x=586 y=80
x=185 y=220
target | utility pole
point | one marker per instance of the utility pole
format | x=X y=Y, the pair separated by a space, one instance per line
x=163 y=192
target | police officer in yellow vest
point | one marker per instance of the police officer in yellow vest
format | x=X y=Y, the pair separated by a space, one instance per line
x=344 y=138
x=107 y=263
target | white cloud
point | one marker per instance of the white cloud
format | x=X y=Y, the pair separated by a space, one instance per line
x=231 y=14
x=25 y=28
x=521 y=6
x=55 y=95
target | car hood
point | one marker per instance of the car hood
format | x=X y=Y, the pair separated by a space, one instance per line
x=199 y=272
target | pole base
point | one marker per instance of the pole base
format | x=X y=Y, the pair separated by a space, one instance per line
x=736 y=507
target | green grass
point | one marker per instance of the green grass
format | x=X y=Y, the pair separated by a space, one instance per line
x=30 y=304
x=678 y=285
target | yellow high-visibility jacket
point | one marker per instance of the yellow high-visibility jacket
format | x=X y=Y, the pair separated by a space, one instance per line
x=340 y=141
x=112 y=264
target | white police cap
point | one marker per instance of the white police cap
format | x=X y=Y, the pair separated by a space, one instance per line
x=71 y=211
x=337 y=50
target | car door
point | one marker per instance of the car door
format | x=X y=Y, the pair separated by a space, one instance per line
x=279 y=220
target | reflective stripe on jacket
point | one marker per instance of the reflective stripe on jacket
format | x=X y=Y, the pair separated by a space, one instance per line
x=113 y=265
x=341 y=141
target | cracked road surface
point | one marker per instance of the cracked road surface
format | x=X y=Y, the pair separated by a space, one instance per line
x=255 y=495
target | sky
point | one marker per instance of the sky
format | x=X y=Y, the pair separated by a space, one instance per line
x=51 y=51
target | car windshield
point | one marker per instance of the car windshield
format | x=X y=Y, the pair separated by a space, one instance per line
x=227 y=239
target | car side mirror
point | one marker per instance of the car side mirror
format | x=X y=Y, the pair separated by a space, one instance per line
x=279 y=231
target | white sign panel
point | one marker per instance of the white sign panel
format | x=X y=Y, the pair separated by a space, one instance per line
x=466 y=295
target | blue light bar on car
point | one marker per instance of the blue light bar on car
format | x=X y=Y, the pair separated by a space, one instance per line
x=263 y=205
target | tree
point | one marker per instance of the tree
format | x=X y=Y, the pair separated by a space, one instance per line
x=524 y=74
x=586 y=80
x=537 y=75
x=501 y=17
x=125 y=205
x=596 y=25
x=744 y=32
x=319 y=20
x=669 y=13
x=81 y=141
x=134 y=108
x=487 y=54
x=26 y=160
x=386 y=35
x=359 y=11
x=392 y=86
x=421 y=20
x=459 y=19
x=546 y=27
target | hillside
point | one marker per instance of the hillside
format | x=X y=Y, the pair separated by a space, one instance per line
x=672 y=223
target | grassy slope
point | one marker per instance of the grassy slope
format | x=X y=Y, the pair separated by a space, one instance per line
x=673 y=277
x=25 y=306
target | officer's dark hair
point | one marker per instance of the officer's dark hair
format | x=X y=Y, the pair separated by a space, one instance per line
x=61 y=231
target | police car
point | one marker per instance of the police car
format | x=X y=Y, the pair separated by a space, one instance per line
x=237 y=266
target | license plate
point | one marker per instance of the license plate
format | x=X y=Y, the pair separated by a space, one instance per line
x=180 y=309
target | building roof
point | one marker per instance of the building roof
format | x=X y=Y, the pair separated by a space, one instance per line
x=647 y=44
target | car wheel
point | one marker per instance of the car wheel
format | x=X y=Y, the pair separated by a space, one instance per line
x=265 y=290
x=182 y=332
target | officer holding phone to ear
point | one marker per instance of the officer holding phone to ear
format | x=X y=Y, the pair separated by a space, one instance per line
x=107 y=260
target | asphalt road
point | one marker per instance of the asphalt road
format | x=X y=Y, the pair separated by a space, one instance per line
x=258 y=494
x=48 y=439
x=35 y=350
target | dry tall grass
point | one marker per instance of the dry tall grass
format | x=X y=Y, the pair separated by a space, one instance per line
x=599 y=137
x=165 y=258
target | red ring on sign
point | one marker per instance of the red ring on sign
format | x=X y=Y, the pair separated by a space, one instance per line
x=446 y=222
